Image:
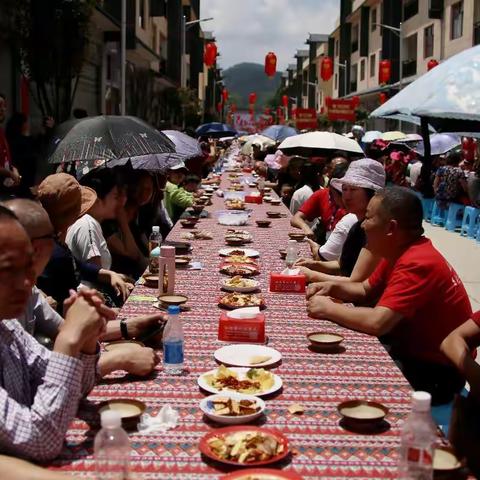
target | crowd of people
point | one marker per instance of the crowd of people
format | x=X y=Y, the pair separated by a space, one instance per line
x=71 y=251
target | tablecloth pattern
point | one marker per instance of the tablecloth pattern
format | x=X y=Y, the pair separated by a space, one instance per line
x=321 y=447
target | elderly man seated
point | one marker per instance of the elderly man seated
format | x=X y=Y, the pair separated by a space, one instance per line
x=39 y=389
x=418 y=298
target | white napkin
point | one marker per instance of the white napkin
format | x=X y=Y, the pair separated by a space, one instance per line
x=166 y=419
x=195 y=266
x=246 y=312
x=291 y=271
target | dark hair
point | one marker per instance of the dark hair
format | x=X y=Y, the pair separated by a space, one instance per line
x=6 y=213
x=339 y=171
x=454 y=158
x=402 y=205
x=13 y=129
x=191 y=178
x=309 y=176
x=80 y=113
x=102 y=180
x=337 y=154
x=271 y=149
x=2 y=95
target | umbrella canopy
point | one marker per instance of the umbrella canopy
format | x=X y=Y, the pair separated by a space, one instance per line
x=279 y=132
x=371 y=135
x=185 y=146
x=408 y=119
x=263 y=141
x=311 y=143
x=440 y=143
x=106 y=138
x=215 y=130
x=392 y=136
x=448 y=96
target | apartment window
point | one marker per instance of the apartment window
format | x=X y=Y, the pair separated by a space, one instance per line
x=372 y=65
x=142 y=20
x=354 y=38
x=410 y=9
x=353 y=77
x=373 y=19
x=362 y=70
x=428 y=41
x=456 y=25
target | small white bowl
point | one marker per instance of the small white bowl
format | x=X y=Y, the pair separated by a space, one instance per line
x=207 y=408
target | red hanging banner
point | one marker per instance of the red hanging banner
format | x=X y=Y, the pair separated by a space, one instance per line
x=306 y=118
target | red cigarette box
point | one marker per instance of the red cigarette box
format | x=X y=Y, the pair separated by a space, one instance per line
x=253 y=198
x=246 y=330
x=287 y=283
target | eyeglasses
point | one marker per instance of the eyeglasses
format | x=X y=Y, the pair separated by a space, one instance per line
x=49 y=236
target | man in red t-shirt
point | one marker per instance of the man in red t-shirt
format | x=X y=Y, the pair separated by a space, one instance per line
x=418 y=297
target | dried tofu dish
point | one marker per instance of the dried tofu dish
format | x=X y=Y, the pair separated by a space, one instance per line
x=230 y=407
x=256 y=380
x=246 y=447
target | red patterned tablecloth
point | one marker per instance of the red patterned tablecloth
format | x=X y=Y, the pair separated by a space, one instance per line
x=322 y=448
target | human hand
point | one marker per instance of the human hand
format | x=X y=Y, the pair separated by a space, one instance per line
x=308 y=231
x=310 y=275
x=139 y=361
x=93 y=297
x=314 y=246
x=138 y=325
x=320 y=288
x=120 y=285
x=319 y=306
x=15 y=176
x=306 y=262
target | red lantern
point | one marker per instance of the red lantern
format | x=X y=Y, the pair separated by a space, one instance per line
x=384 y=71
x=285 y=100
x=326 y=69
x=356 y=101
x=252 y=98
x=382 y=98
x=219 y=107
x=270 y=64
x=224 y=95
x=210 y=54
x=431 y=64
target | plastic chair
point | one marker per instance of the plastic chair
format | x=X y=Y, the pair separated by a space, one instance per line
x=427 y=204
x=470 y=222
x=454 y=217
x=439 y=215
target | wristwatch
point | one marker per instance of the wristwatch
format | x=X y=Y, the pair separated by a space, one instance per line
x=124 y=329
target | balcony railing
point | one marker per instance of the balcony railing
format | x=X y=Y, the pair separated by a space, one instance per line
x=409 y=68
x=476 y=33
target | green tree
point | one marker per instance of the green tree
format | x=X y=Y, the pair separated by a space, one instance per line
x=51 y=37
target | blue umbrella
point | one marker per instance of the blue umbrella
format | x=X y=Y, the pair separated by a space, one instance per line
x=279 y=132
x=216 y=130
x=440 y=143
x=448 y=96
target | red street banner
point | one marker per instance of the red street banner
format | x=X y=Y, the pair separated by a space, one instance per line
x=339 y=109
x=306 y=118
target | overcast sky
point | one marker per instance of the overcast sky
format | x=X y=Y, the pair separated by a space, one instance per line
x=246 y=30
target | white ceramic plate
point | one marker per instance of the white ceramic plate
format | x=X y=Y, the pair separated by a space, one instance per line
x=240 y=355
x=252 y=288
x=249 y=252
x=206 y=406
x=241 y=375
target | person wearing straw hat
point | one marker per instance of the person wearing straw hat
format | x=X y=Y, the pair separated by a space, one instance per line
x=417 y=297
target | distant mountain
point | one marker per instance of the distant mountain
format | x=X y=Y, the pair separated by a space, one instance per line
x=245 y=78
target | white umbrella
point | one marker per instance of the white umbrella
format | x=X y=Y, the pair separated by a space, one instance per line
x=261 y=140
x=371 y=136
x=309 y=143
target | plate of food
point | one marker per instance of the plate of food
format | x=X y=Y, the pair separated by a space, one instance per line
x=241 y=300
x=251 y=381
x=240 y=284
x=236 y=240
x=240 y=259
x=246 y=355
x=232 y=408
x=261 y=474
x=235 y=269
x=246 y=252
x=243 y=445
x=235 y=204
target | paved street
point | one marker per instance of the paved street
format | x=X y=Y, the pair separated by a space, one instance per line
x=463 y=254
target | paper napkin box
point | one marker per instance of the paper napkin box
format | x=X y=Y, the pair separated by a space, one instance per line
x=243 y=325
x=282 y=282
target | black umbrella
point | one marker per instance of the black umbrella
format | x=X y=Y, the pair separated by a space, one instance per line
x=105 y=138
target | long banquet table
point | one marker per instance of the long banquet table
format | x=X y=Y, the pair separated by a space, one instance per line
x=321 y=447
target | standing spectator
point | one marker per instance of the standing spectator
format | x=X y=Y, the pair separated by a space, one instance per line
x=473 y=184
x=450 y=182
x=9 y=176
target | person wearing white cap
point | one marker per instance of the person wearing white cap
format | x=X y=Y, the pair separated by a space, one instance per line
x=418 y=298
x=363 y=178
x=176 y=198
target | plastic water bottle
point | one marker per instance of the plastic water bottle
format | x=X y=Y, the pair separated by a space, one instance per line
x=155 y=238
x=418 y=440
x=112 y=448
x=173 y=343
x=292 y=253
x=154 y=249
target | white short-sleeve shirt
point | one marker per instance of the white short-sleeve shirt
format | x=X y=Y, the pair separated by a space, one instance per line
x=332 y=248
x=86 y=241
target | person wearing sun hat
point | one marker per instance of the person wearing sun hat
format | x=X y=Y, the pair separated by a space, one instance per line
x=363 y=178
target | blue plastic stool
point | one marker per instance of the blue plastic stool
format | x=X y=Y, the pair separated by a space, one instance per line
x=454 y=216
x=470 y=222
x=439 y=215
x=442 y=413
x=427 y=204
